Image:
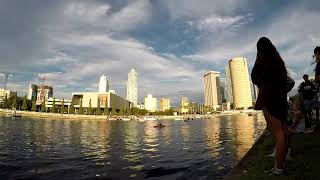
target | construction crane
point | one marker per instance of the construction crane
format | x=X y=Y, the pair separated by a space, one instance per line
x=5 y=76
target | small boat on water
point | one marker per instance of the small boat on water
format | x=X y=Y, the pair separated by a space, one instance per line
x=159 y=126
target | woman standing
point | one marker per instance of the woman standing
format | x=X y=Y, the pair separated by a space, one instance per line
x=270 y=75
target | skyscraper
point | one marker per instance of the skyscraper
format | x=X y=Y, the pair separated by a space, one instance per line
x=103 y=84
x=164 y=104
x=212 y=91
x=132 y=87
x=229 y=94
x=32 y=92
x=150 y=103
x=184 y=105
x=240 y=83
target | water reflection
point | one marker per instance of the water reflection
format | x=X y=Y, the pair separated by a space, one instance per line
x=68 y=149
x=243 y=128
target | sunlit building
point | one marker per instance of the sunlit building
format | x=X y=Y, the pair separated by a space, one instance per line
x=240 y=83
x=184 y=105
x=150 y=103
x=32 y=92
x=132 y=87
x=164 y=104
x=212 y=89
x=4 y=93
x=103 y=84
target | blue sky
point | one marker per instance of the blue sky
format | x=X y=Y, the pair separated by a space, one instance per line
x=170 y=43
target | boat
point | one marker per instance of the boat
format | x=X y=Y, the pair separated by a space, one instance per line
x=159 y=126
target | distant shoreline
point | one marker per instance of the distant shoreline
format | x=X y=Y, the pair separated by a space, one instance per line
x=40 y=115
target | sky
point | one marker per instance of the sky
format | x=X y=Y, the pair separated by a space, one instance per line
x=170 y=43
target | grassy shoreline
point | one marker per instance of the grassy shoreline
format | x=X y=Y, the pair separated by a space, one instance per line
x=303 y=165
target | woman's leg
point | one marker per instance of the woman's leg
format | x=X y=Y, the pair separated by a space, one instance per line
x=279 y=131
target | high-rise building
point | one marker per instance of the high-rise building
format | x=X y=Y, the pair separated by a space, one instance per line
x=132 y=87
x=44 y=92
x=103 y=84
x=229 y=94
x=150 y=103
x=184 y=105
x=32 y=92
x=164 y=104
x=212 y=90
x=240 y=83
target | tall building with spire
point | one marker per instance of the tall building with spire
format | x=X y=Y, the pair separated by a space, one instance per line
x=103 y=84
x=238 y=76
x=132 y=87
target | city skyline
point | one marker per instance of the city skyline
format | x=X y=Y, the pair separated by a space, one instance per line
x=170 y=43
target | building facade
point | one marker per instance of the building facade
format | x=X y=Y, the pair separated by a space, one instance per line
x=164 y=104
x=32 y=92
x=150 y=103
x=212 y=89
x=44 y=92
x=4 y=93
x=132 y=87
x=240 y=83
x=103 y=84
x=184 y=105
x=106 y=99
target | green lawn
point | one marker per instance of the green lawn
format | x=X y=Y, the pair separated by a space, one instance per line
x=304 y=165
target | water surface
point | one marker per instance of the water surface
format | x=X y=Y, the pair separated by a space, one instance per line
x=89 y=149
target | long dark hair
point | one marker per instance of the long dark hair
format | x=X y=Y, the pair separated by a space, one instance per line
x=269 y=56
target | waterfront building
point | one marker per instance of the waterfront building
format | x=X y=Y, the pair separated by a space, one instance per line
x=44 y=92
x=240 y=83
x=4 y=92
x=132 y=87
x=32 y=92
x=184 y=105
x=229 y=94
x=58 y=102
x=103 y=84
x=107 y=99
x=150 y=103
x=164 y=104
x=212 y=89
x=140 y=106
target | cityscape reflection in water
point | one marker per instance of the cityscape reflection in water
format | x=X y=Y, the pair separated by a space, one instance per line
x=88 y=149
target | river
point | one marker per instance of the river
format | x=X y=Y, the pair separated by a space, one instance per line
x=90 y=149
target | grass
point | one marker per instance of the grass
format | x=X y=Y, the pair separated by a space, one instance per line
x=304 y=165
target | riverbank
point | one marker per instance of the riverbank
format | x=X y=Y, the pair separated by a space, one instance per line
x=41 y=115
x=304 y=163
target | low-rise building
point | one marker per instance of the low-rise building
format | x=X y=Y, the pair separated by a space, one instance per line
x=107 y=99
x=6 y=92
x=150 y=103
x=164 y=104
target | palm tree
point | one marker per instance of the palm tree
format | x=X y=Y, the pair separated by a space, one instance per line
x=34 y=106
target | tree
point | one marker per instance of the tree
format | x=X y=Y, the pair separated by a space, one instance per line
x=54 y=108
x=129 y=111
x=90 y=108
x=106 y=111
x=121 y=112
x=43 y=105
x=98 y=111
x=63 y=110
x=24 y=103
x=5 y=102
x=14 y=102
x=71 y=110
x=113 y=111
x=34 y=106
x=81 y=108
